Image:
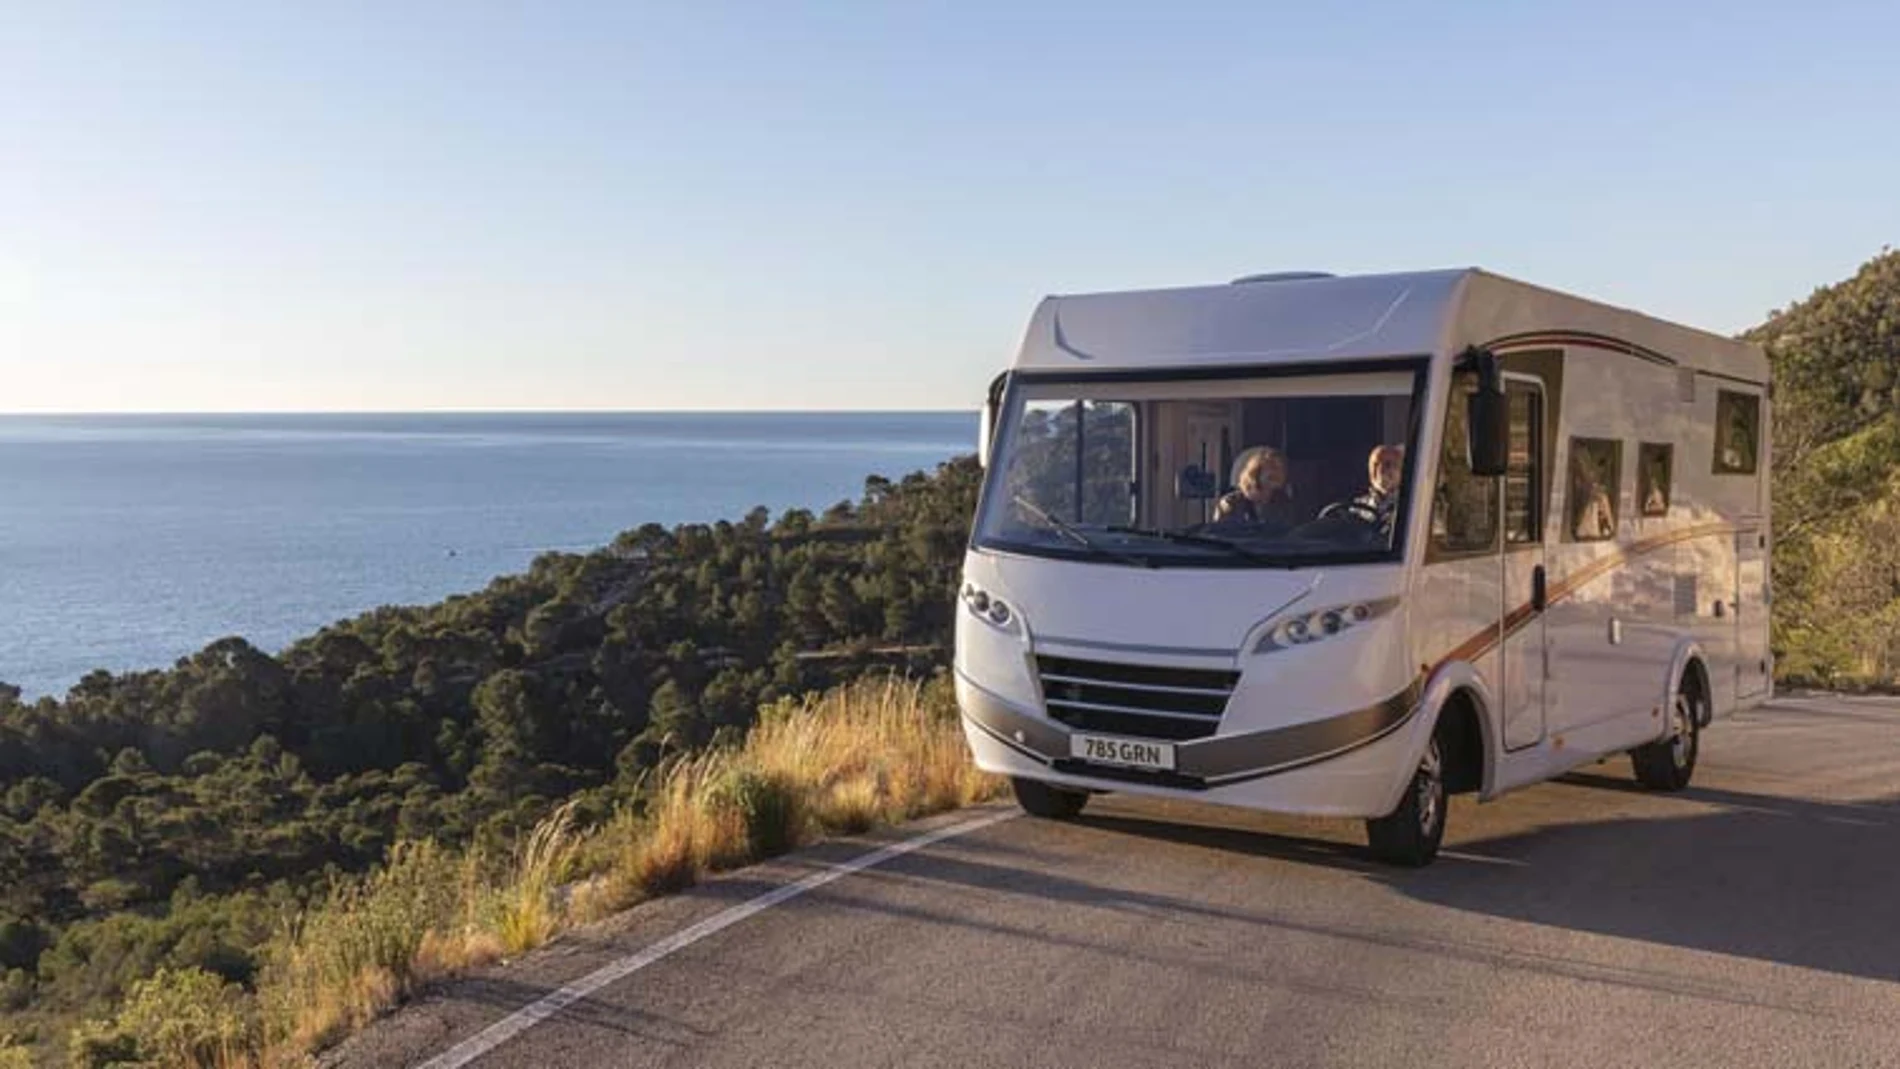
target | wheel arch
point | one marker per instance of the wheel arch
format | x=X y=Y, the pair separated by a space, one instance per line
x=1459 y=691
x=1691 y=664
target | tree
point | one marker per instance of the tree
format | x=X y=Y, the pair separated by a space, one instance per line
x=1836 y=448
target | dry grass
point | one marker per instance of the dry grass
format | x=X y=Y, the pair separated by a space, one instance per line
x=358 y=952
x=857 y=756
x=526 y=912
x=869 y=753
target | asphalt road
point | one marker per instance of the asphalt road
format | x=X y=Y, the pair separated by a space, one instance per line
x=1751 y=920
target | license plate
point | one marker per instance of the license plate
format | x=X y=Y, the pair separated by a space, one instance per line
x=1129 y=753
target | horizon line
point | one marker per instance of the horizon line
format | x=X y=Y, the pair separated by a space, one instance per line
x=4 y=413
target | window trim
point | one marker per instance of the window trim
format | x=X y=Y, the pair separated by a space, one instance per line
x=1615 y=492
x=1668 y=450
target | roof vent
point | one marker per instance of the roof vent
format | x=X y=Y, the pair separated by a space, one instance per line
x=1282 y=276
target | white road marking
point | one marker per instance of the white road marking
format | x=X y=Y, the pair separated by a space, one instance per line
x=521 y=1020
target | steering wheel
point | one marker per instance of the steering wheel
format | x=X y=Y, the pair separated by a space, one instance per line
x=1355 y=509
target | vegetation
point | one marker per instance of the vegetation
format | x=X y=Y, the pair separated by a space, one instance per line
x=1836 y=479
x=172 y=820
x=891 y=750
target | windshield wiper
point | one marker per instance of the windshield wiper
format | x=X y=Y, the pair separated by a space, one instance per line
x=1064 y=527
x=1209 y=541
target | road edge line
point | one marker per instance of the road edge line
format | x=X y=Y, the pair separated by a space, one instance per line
x=548 y=1005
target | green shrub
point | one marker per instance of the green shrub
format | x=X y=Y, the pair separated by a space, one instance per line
x=189 y=1017
x=768 y=805
x=101 y=1044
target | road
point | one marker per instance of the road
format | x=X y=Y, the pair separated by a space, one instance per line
x=1751 y=920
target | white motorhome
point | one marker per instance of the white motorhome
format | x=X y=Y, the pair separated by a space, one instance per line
x=1346 y=545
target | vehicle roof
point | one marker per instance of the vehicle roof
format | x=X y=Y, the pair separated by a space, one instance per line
x=1302 y=319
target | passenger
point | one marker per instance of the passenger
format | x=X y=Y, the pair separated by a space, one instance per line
x=1263 y=495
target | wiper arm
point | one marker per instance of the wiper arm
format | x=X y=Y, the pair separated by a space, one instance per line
x=1223 y=544
x=1064 y=527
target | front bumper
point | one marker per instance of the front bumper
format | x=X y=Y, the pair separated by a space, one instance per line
x=1350 y=764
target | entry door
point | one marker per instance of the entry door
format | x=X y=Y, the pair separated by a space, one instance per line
x=1524 y=500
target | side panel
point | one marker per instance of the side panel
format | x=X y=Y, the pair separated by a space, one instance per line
x=1612 y=626
x=1453 y=608
x=1733 y=637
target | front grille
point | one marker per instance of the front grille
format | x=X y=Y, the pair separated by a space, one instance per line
x=1145 y=701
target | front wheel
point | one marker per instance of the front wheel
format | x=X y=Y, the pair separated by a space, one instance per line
x=1667 y=764
x=1410 y=834
x=1039 y=799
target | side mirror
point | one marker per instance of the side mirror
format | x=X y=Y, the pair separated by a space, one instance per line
x=1490 y=434
x=986 y=423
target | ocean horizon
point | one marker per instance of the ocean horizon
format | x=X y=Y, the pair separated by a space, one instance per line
x=129 y=540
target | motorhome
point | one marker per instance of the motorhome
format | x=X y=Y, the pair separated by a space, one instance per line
x=1345 y=546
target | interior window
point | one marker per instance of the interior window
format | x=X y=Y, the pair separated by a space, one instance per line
x=1082 y=457
x=1524 y=481
x=1595 y=474
x=1737 y=426
x=1464 y=506
x=1654 y=462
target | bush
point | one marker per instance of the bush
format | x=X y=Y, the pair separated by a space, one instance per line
x=189 y=1017
x=100 y=1044
x=352 y=956
x=767 y=805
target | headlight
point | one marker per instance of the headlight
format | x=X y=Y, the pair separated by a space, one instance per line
x=1310 y=627
x=988 y=609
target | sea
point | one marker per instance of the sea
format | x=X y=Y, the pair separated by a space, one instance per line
x=129 y=541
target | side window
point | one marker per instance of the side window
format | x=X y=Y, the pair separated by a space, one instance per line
x=1654 y=465
x=1108 y=462
x=1737 y=430
x=1596 y=471
x=1524 y=482
x=1464 y=507
x=1076 y=460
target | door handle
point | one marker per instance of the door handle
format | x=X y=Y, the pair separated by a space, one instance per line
x=1539 y=596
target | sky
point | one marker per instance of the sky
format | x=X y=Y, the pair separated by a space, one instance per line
x=268 y=206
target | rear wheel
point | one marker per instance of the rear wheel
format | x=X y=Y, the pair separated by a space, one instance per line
x=1039 y=799
x=1410 y=834
x=1667 y=763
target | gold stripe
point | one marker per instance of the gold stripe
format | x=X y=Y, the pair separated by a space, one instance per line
x=1484 y=641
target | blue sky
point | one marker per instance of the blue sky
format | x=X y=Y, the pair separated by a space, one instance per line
x=270 y=206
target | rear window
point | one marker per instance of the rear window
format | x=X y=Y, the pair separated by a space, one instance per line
x=1737 y=432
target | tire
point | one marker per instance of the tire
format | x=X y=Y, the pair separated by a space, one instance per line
x=1668 y=763
x=1410 y=834
x=1039 y=799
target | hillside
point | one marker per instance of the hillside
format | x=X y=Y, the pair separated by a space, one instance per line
x=1836 y=479
x=172 y=818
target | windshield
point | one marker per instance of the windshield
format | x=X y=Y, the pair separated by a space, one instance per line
x=1281 y=470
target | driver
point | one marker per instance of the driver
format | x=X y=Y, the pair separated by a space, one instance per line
x=1385 y=470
